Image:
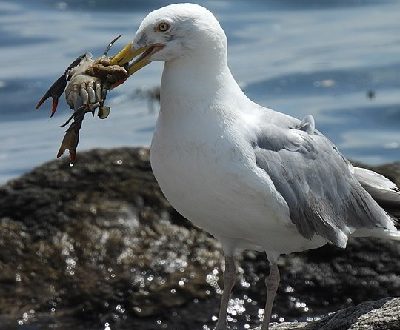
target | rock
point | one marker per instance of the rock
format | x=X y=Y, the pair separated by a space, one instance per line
x=383 y=314
x=98 y=243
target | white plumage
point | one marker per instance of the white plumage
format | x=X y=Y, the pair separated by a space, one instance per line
x=252 y=177
x=205 y=148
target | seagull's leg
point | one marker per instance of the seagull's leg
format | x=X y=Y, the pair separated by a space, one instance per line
x=272 y=286
x=229 y=282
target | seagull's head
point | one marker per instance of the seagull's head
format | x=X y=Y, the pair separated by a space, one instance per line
x=171 y=32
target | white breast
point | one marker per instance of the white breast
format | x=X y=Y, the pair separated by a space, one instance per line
x=203 y=160
x=205 y=173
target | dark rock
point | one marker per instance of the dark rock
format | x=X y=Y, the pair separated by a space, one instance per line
x=97 y=243
x=383 y=314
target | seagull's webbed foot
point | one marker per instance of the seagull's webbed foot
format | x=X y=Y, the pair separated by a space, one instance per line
x=229 y=282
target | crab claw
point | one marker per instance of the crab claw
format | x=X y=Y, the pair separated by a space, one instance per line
x=54 y=106
x=55 y=92
x=57 y=89
x=70 y=141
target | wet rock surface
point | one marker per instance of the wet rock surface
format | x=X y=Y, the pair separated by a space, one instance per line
x=383 y=314
x=97 y=246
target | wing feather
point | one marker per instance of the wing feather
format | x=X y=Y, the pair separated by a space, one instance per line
x=316 y=182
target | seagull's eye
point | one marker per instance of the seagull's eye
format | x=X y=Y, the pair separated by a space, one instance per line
x=163 y=26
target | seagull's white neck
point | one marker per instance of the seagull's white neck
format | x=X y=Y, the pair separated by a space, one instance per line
x=196 y=79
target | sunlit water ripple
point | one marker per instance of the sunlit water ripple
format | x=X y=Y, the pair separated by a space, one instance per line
x=337 y=61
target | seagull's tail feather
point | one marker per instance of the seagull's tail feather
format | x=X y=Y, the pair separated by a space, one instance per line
x=391 y=234
x=387 y=195
x=384 y=191
x=394 y=235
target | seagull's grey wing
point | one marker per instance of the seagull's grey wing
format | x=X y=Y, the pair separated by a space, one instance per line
x=322 y=194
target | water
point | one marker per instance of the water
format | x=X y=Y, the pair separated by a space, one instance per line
x=337 y=60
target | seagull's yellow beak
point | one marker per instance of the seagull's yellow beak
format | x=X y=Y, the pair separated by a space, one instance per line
x=128 y=53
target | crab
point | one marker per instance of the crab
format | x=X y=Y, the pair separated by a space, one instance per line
x=86 y=82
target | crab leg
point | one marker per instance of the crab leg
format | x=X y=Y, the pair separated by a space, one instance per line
x=55 y=92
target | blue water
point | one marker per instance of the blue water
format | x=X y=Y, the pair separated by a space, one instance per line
x=297 y=56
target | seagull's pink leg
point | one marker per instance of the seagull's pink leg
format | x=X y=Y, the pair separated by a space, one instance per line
x=272 y=286
x=229 y=282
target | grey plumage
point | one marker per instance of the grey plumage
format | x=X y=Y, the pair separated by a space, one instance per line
x=307 y=124
x=384 y=191
x=316 y=181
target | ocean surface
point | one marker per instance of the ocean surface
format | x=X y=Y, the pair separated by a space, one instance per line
x=338 y=60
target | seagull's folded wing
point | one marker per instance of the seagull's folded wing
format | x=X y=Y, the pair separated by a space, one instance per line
x=317 y=183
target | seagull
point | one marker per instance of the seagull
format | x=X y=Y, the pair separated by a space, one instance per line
x=252 y=177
